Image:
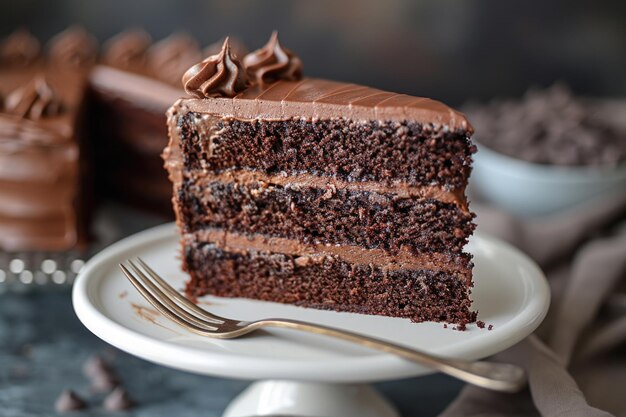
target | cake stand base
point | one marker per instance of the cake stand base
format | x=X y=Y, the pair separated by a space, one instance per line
x=293 y=398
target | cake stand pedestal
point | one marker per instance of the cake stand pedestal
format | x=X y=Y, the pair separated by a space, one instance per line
x=291 y=398
x=303 y=374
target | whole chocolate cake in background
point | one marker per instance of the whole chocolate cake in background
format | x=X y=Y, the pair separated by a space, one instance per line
x=43 y=175
x=553 y=126
x=319 y=193
x=69 y=110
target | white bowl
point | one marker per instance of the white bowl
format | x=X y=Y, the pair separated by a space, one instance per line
x=531 y=189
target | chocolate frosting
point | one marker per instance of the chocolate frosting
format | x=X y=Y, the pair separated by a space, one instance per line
x=219 y=75
x=20 y=48
x=312 y=98
x=398 y=188
x=291 y=97
x=34 y=101
x=169 y=58
x=128 y=49
x=74 y=47
x=404 y=259
x=272 y=62
x=237 y=47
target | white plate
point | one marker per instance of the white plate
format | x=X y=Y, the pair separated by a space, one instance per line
x=510 y=293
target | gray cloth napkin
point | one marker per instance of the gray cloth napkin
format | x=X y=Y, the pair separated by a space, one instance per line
x=576 y=361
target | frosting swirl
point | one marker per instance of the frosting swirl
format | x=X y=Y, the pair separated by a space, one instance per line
x=219 y=75
x=74 y=47
x=272 y=62
x=237 y=47
x=34 y=101
x=128 y=49
x=20 y=48
x=169 y=58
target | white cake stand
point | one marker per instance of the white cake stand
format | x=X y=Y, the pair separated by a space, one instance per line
x=299 y=374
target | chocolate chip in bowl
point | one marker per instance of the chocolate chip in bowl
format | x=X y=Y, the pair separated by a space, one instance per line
x=549 y=150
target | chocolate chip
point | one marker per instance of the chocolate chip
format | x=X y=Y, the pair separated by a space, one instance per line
x=104 y=383
x=118 y=400
x=69 y=401
x=95 y=366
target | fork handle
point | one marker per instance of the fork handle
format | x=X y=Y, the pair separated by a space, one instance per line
x=491 y=375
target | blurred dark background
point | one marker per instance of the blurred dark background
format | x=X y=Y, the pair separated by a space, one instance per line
x=447 y=49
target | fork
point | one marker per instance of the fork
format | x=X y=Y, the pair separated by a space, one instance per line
x=169 y=302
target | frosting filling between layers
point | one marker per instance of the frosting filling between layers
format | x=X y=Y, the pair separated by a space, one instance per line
x=309 y=253
x=399 y=188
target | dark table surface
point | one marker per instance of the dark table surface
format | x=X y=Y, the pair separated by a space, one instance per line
x=43 y=347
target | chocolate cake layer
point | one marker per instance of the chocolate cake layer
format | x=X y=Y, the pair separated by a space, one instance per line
x=329 y=215
x=351 y=150
x=327 y=283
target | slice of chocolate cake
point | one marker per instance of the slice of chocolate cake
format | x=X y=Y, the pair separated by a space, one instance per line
x=319 y=193
x=42 y=170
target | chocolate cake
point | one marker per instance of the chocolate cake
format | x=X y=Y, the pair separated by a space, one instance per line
x=320 y=193
x=50 y=96
x=42 y=174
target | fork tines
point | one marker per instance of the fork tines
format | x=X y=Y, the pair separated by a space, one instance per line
x=167 y=300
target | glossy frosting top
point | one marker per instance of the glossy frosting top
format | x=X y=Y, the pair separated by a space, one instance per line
x=277 y=91
x=313 y=98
